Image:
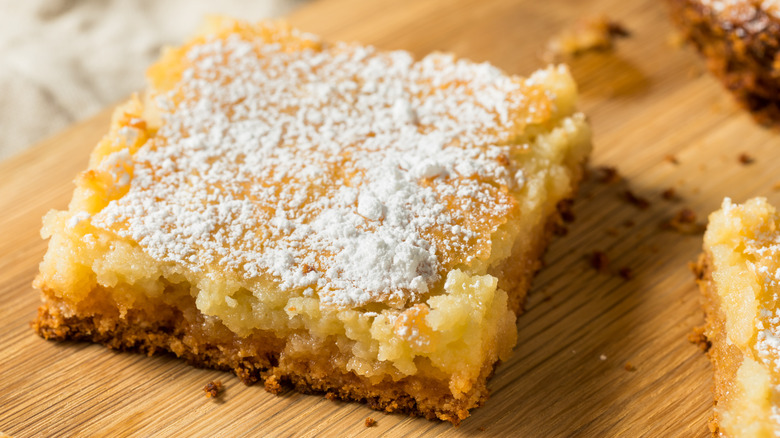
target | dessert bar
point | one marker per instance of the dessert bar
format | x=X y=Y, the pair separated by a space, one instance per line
x=325 y=216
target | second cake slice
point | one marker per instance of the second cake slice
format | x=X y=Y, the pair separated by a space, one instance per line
x=740 y=279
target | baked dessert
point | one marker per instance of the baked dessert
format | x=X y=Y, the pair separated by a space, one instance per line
x=740 y=41
x=739 y=275
x=331 y=217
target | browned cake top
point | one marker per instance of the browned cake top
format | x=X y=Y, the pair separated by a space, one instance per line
x=356 y=174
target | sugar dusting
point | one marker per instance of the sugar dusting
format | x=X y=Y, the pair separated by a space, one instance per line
x=355 y=174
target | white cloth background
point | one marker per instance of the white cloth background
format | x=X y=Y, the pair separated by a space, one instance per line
x=64 y=60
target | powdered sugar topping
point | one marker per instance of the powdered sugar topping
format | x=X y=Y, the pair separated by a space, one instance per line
x=344 y=171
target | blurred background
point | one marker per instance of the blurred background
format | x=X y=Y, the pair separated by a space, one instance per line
x=62 y=61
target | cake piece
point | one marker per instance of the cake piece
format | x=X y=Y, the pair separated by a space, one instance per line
x=740 y=278
x=740 y=40
x=326 y=216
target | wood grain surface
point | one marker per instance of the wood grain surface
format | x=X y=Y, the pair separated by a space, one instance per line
x=598 y=355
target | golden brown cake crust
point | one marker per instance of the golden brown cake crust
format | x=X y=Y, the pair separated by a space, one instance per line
x=725 y=358
x=741 y=47
x=266 y=362
x=157 y=327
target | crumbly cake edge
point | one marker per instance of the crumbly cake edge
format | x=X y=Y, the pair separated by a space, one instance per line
x=719 y=351
x=731 y=53
x=53 y=325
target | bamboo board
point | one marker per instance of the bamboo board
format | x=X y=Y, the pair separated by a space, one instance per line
x=647 y=100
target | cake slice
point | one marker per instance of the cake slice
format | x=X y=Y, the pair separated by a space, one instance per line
x=326 y=216
x=740 y=39
x=740 y=279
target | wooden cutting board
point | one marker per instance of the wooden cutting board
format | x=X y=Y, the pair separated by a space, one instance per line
x=598 y=355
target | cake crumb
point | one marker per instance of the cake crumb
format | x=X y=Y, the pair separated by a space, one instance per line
x=698 y=338
x=594 y=34
x=636 y=201
x=331 y=396
x=670 y=194
x=603 y=357
x=746 y=159
x=370 y=422
x=714 y=428
x=607 y=175
x=560 y=230
x=213 y=389
x=481 y=428
x=697 y=268
x=626 y=273
x=273 y=385
x=684 y=222
x=671 y=159
x=629 y=367
x=599 y=261
x=565 y=210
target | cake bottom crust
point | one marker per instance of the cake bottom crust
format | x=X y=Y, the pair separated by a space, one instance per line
x=259 y=357
x=726 y=358
x=306 y=364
